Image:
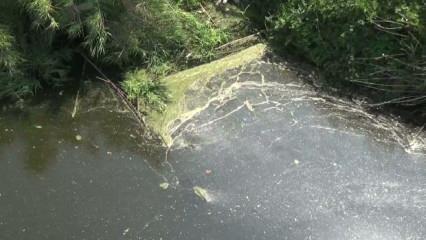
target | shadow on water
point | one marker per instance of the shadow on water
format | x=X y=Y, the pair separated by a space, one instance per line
x=34 y=143
x=44 y=125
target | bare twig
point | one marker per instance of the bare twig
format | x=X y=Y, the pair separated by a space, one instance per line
x=208 y=15
x=117 y=90
x=399 y=101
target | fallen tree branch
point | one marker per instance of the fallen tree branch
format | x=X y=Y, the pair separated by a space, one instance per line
x=240 y=41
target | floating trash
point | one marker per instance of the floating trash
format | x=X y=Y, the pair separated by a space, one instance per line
x=78 y=138
x=202 y=193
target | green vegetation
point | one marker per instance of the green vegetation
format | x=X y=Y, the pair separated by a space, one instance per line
x=145 y=90
x=379 y=45
x=374 y=45
x=41 y=39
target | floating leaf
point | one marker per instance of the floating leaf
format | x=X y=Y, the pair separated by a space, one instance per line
x=164 y=185
x=126 y=231
x=202 y=193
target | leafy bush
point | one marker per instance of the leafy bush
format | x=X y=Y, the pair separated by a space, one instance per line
x=376 y=44
x=38 y=38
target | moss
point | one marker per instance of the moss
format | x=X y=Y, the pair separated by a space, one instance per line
x=178 y=85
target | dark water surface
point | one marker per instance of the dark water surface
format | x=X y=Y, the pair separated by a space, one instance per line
x=278 y=160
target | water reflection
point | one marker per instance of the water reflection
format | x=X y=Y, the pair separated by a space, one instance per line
x=43 y=128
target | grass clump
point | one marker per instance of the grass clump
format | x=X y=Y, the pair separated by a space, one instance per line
x=144 y=90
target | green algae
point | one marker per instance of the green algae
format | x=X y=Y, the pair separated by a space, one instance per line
x=180 y=83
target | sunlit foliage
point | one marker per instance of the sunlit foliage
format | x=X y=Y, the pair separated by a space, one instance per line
x=40 y=38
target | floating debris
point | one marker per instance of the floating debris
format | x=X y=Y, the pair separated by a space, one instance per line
x=208 y=172
x=38 y=126
x=297 y=162
x=78 y=138
x=202 y=193
x=249 y=106
x=126 y=231
x=74 y=111
x=164 y=185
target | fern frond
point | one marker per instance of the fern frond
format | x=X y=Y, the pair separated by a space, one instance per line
x=41 y=11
